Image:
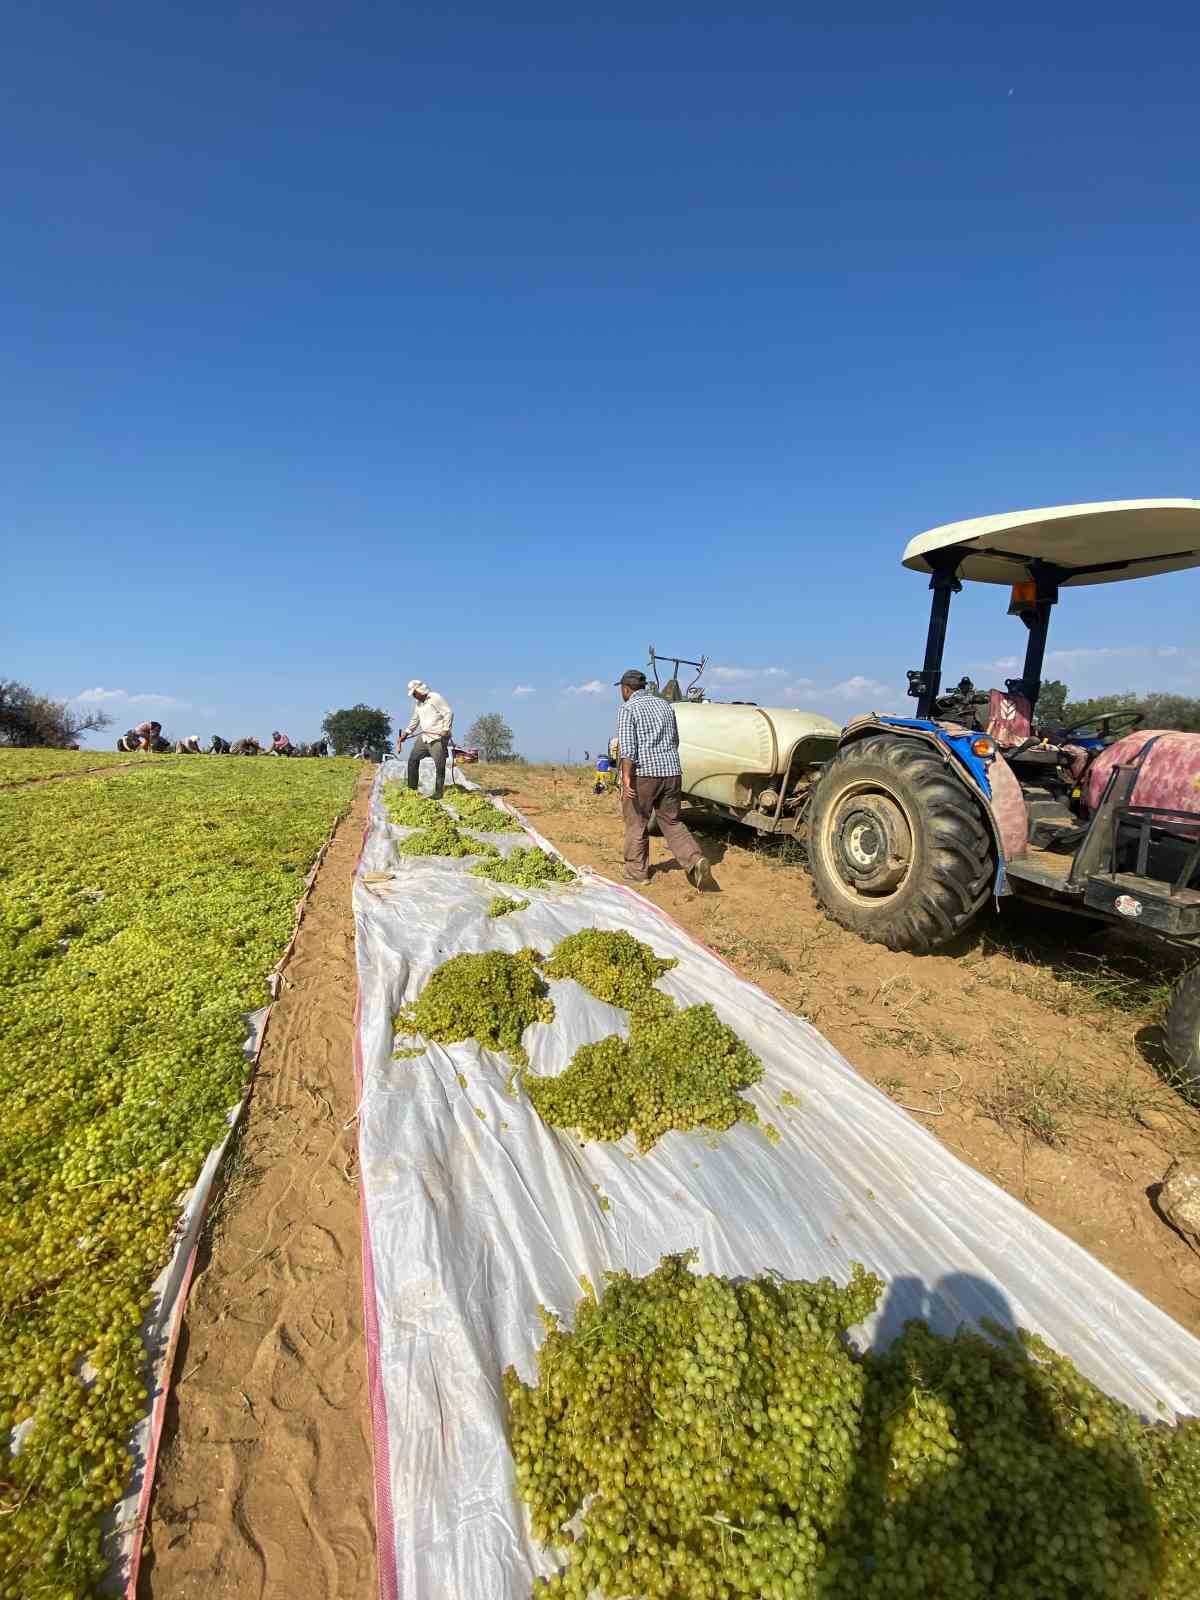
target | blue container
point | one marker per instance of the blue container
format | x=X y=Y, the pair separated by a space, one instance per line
x=603 y=764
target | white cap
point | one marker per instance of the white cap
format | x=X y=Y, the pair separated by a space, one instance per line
x=415 y=686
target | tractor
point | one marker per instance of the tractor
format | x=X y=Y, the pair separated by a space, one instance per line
x=915 y=823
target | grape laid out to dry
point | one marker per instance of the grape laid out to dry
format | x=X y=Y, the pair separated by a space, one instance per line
x=476 y=811
x=408 y=808
x=442 y=838
x=438 y=834
x=527 y=868
x=612 y=965
x=720 y=1438
x=677 y=1070
x=491 y=998
x=140 y=914
x=501 y=906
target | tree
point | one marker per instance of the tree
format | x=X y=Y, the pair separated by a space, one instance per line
x=1158 y=708
x=1052 y=697
x=355 y=726
x=492 y=737
x=27 y=718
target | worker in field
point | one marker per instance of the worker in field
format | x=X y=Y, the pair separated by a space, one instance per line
x=281 y=745
x=432 y=721
x=219 y=746
x=189 y=746
x=146 y=736
x=652 y=783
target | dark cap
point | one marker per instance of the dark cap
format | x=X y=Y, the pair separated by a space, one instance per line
x=635 y=678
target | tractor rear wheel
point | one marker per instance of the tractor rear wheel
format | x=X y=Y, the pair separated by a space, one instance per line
x=1183 y=1028
x=898 y=847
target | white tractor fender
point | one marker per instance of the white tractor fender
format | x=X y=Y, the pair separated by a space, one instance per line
x=723 y=748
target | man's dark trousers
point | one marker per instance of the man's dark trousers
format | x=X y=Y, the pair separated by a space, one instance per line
x=435 y=749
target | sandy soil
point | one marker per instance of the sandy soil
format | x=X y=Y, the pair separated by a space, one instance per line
x=264 y=1487
x=1033 y=1053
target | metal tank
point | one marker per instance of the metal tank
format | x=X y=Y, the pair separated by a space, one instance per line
x=752 y=762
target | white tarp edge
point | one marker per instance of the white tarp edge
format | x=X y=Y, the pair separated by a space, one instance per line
x=474 y=1221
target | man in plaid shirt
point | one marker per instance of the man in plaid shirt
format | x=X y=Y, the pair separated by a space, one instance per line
x=651 y=782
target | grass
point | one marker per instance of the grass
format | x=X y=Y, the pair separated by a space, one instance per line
x=1076 y=982
x=1034 y=1097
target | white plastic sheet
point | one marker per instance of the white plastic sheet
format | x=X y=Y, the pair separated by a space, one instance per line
x=474 y=1221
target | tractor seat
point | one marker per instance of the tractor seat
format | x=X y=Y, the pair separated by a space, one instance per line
x=1010 y=718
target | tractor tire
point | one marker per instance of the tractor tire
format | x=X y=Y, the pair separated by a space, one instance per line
x=898 y=847
x=1182 y=1027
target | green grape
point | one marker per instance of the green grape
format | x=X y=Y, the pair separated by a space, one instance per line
x=491 y=998
x=442 y=838
x=721 y=1438
x=438 y=834
x=678 y=1070
x=528 y=868
x=476 y=811
x=31 y=765
x=140 y=913
x=408 y=808
x=614 y=966
x=501 y=906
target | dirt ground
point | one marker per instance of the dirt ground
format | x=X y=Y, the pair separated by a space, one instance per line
x=264 y=1488
x=1034 y=1057
x=1033 y=1052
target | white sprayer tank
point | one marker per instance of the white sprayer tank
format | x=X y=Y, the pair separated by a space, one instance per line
x=729 y=753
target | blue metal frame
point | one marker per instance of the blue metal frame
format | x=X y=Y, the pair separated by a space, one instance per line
x=959 y=745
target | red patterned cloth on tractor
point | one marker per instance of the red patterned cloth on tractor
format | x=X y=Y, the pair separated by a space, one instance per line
x=1010 y=718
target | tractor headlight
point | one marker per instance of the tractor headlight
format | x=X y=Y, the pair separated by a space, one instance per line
x=984 y=748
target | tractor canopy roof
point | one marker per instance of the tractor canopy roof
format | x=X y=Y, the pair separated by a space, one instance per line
x=1103 y=542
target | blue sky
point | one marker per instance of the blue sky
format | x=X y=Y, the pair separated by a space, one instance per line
x=349 y=344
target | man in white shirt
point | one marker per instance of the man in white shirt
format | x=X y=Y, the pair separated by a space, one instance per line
x=432 y=720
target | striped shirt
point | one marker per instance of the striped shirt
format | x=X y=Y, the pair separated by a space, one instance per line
x=649 y=736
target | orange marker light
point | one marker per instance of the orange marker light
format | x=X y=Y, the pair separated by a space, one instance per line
x=983 y=747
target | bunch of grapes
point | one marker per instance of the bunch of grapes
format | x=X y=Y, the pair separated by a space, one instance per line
x=527 y=868
x=720 y=1438
x=702 y=1430
x=614 y=966
x=408 y=808
x=677 y=1070
x=501 y=906
x=491 y=998
x=140 y=914
x=592 y=1095
x=476 y=811
x=441 y=838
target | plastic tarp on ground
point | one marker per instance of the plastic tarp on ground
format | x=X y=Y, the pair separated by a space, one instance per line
x=473 y=1221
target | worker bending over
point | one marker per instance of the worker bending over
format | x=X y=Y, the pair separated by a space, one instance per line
x=432 y=721
x=652 y=783
x=146 y=736
x=189 y=746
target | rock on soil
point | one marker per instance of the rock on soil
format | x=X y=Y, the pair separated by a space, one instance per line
x=1179 y=1198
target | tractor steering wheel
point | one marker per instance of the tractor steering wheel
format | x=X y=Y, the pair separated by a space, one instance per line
x=1125 y=720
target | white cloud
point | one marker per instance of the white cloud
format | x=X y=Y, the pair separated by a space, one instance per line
x=523 y=689
x=856 y=688
x=122 y=697
x=593 y=686
x=745 y=674
x=1088 y=656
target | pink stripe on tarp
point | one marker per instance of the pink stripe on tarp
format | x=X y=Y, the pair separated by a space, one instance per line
x=385 y=1522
